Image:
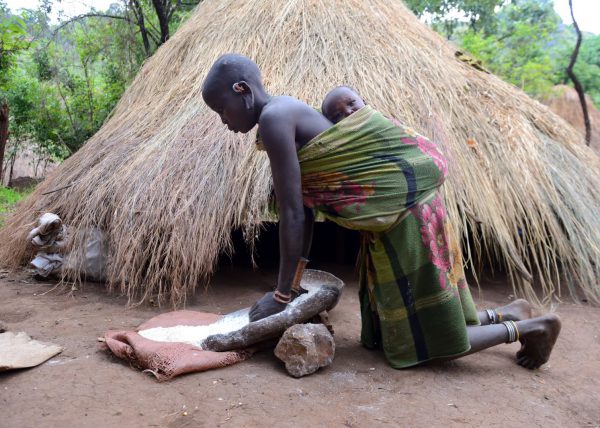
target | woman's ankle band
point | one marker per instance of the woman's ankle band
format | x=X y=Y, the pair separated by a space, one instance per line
x=282 y=298
x=513 y=331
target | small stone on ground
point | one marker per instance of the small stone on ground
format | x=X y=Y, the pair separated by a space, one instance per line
x=304 y=348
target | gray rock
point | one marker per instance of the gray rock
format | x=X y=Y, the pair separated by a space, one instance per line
x=304 y=348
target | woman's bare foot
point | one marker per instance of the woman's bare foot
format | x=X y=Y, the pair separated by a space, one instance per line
x=538 y=336
x=516 y=311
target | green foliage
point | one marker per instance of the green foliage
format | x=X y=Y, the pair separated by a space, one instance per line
x=8 y=199
x=530 y=48
x=447 y=15
x=44 y=69
x=9 y=196
x=61 y=82
x=590 y=50
x=13 y=38
x=22 y=97
x=36 y=113
x=587 y=67
x=522 y=41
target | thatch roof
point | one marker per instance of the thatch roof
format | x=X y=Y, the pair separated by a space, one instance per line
x=167 y=181
x=564 y=101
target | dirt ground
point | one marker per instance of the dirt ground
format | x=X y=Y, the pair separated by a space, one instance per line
x=85 y=386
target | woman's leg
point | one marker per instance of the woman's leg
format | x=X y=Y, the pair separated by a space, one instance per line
x=518 y=310
x=537 y=336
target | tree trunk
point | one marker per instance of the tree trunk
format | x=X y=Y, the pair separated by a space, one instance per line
x=4 y=110
x=67 y=109
x=13 y=158
x=576 y=83
x=90 y=91
x=139 y=15
x=162 y=13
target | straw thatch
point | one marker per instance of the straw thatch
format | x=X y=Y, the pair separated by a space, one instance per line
x=564 y=101
x=167 y=182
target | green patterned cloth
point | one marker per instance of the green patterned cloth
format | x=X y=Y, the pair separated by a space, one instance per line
x=373 y=174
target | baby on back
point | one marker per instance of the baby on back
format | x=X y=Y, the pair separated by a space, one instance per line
x=340 y=103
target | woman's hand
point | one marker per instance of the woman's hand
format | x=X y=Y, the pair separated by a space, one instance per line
x=265 y=307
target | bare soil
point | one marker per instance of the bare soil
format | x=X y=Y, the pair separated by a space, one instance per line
x=85 y=386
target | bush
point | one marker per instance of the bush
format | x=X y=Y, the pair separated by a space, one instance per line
x=8 y=200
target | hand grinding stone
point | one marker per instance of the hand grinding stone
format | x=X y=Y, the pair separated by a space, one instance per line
x=304 y=348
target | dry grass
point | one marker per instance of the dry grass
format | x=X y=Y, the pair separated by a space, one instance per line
x=167 y=181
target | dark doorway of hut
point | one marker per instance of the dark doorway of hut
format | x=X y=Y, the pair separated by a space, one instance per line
x=335 y=250
x=332 y=246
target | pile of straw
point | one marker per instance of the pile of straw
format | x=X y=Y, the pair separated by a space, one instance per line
x=564 y=101
x=167 y=182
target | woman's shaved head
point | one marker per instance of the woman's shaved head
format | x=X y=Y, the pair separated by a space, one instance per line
x=234 y=90
x=229 y=69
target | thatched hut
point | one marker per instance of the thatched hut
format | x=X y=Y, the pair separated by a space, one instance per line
x=564 y=101
x=167 y=182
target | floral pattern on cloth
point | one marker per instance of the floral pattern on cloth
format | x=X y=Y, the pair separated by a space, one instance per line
x=410 y=304
x=429 y=148
x=432 y=216
x=334 y=191
x=362 y=174
x=426 y=146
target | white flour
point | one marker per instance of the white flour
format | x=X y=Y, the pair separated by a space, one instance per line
x=195 y=335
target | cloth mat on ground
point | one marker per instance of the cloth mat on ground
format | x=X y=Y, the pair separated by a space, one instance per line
x=19 y=351
x=166 y=360
x=182 y=342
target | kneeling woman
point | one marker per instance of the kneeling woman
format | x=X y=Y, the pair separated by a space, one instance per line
x=371 y=174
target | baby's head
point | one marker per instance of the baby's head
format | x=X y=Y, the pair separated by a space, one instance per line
x=340 y=103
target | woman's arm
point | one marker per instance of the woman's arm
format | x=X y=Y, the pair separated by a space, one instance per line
x=309 y=225
x=278 y=134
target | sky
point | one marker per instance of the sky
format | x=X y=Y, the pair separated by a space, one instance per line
x=69 y=7
x=587 y=12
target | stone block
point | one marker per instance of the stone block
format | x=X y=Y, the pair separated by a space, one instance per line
x=304 y=348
